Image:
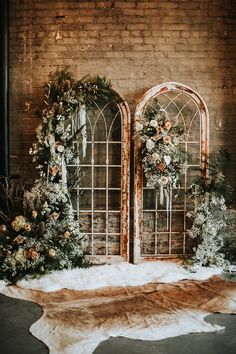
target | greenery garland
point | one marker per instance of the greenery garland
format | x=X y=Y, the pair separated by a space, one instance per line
x=163 y=158
x=43 y=235
x=211 y=222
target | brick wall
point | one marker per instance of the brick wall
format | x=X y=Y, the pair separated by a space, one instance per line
x=137 y=44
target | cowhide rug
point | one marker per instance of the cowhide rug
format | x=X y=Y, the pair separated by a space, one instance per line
x=75 y=322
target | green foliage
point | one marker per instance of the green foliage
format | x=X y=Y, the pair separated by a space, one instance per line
x=163 y=157
x=211 y=228
x=38 y=232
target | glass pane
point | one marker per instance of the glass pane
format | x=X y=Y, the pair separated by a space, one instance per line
x=85 y=199
x=192 y=174
x=177 y=243
x=163 y=243
x=99 y=245
x=114 y=223
x=162 y=221
x=148 y=222
x=88 y=156
x=100 y=199
x=115 y=132
x=149 y=199
x=148 y=244
x=99 y=153
x=85 y=177
x=194 y=151
x=114 y=244
x=85 y=222
x=114 y=200
x=177 y=221
x=178 y=199
x=114 y=154
x=99 y=177
x=99 y=222
x=114 y=177
x=100 y=129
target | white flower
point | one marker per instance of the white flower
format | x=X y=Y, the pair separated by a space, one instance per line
x=138 y=126
x=167 y=159
x=155 y=156
x=163 y=180
x=153 y=123
x=60 y=148
x=150 y=144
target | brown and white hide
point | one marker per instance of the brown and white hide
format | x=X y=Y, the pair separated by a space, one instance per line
x=75 y=322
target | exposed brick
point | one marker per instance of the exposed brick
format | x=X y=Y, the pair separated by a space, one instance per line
x=137 y=44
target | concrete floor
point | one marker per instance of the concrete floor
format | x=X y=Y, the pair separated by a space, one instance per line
x=16 y=316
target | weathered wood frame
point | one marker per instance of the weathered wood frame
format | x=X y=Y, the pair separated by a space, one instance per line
x=125 y=189
x=138 y=175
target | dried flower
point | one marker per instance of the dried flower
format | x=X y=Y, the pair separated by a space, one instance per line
x=168 y=125
x=20 y=255
x=161 y=167
x=55 y=215
x=166 y=139
x=60 y=148
x=150 y=144
x=52 y=252
x=153 y=123
x=155 y=156
x=53 y=170
x=163 y=180
x=27 y=227
x=34 y=214
x=32 y=254
x=18 y=223
x=67 y=234
x=3 y=228
x=19 y=239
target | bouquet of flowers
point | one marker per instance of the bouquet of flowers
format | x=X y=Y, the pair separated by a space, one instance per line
x=163 y=157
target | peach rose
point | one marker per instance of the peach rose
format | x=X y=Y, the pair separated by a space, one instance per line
x=19 y=239
x=53 y=170
x=32 y=254
x=34 y=214
x=168 y=125
x=167 y=139
x=27 y=227
x=67 y=234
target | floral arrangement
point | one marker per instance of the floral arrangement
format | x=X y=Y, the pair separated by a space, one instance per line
x=211 y=221
x=42 y=234
x=163 y=158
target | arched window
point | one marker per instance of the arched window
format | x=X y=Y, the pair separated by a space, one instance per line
x=101 y=202
x=158 y=231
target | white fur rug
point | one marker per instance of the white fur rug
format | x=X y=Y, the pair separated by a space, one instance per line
x=149 y=301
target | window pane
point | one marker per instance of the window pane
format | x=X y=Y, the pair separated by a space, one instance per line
x=114 y=177
x=99 y=244
x=99 y=153
x=114 y=200
x=99 y=177
x=99 y=222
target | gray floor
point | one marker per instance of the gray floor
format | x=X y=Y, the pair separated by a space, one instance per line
x=16 y=316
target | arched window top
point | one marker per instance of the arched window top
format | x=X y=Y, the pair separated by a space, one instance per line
x=181 y=101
